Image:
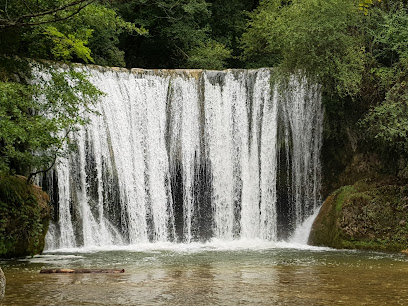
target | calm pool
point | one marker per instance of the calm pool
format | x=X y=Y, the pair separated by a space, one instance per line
x=211 y=274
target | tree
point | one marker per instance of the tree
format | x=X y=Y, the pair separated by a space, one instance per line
x=209 y=55
x=228 y=22
x=180 y=34
x=387 y=120
x=35 y=120
x=65 y=31
x=356 y=49
x=319 y=39
x=28 y=13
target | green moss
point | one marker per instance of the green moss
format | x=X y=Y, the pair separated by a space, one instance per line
x=341 y=194
x=325 y=230
x=24 y=216
x=371 y=214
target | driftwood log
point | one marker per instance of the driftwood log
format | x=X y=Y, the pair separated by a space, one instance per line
x=2 y=284
x=82 y=271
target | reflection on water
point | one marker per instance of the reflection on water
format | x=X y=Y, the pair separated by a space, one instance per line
x=212 y=277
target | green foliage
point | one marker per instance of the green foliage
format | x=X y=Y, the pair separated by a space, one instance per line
x=23 y=217
x=318 y=39
x=387 y=122
x=36 y=119
x=92 y=31
x=228 y=22
x=28 y=13
x=175 y=28
x=365 y=5
x=107 y=27
x=64 y=46
x=387 y=31
x=209 y=55
x=258 y=41
x=85 y=33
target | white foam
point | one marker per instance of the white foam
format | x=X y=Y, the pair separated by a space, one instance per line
x=196 y=247
x=302 y=232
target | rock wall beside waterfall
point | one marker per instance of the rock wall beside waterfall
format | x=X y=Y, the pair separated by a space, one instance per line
x=363 y=187
x=366 y=195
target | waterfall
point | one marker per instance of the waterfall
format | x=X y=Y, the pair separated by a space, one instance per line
x=189 y=155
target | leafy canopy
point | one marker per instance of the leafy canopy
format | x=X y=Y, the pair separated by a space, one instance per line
x=29 y=13
x=356 y=49
x=36 y=119
x=387 y=122
x=182 y=34
x=85 y=31
x=319 y=39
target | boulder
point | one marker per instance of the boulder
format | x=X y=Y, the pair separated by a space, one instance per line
x=371 y=214
x=24 y=217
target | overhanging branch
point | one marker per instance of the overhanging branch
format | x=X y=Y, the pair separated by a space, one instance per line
x=72 y=8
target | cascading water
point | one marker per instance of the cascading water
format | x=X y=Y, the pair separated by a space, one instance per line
x=189 y=155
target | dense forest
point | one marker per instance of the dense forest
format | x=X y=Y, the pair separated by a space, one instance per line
x=356 y=49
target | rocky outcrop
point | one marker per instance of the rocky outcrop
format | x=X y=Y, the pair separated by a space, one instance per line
x=24 y=217
x=366 y=189
x=370 y=214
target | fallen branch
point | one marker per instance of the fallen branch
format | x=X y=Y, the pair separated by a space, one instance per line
x=82 y=271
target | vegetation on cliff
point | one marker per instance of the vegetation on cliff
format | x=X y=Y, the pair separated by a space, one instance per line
x=357 y=50
x=24 y=216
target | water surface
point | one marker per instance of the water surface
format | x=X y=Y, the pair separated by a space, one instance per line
x=211 y=274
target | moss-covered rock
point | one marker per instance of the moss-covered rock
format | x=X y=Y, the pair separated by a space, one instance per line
x=24 y=217
x=371 y=214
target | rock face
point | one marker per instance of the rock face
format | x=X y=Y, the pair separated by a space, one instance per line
x=364 y=185
x=371 y=214
x=24 y=217
x=2 y=284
